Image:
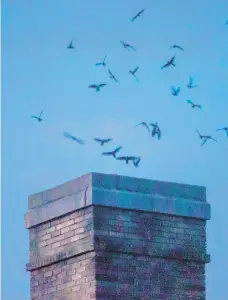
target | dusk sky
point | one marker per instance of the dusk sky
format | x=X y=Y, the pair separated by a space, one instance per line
x=40 y=73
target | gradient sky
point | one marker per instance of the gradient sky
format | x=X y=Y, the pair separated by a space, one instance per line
x=39 y=72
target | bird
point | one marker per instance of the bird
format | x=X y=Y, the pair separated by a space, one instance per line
x=144 y=124
x=127 y=46
x=205 y=138
x=126 y=158
x=73 y=138
x=189 y=85
x=102 y=141
x=113 y=153
x=176 y=47
x=103 y=63
x=175 y=91
x=225 y=129
x=132 y=72
x=169 y=63
x=138 y=15
x=194 y=105
x=112 y=76
x=70 y=46
x=156 y=130
x=136 y=161
x=39 y=119
x=97 y=86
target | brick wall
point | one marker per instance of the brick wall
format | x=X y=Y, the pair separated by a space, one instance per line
x=54 y=241
x=161 y=257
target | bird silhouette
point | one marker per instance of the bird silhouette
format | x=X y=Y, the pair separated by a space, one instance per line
x=103 y=63
x=102 y=141
x=113 y=153
x=225 y=129
x=39 y=119
x=176 y=47
x=194 y=105
x=156 y=130
x=126 y=158
x=71 y=46
x=205 y=138
x=175 y=91
x=136 y=161
x=143 y=124
x=73 y=138
x=138 y=15
x=112 y=76
x=127 y=46
x=190 y=84
x=97 y=86
x=132 y=72
x=169 y=63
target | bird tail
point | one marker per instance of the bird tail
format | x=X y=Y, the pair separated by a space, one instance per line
x=97 y=89
x=174 y=65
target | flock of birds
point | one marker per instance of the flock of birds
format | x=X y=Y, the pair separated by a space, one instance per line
x=155 y=131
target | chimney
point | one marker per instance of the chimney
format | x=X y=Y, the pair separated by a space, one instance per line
x=105 y=237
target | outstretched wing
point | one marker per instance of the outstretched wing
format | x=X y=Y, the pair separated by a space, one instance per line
x=121 y=158
x=104 y=58
x=203 y=142
x=68 y=135
x=102 y=84
x=190 y=102
x=172 y=59
x=190 y=81
x=97 y=140
x=110 y=73
x=118 y=149
x=136 y=69
x=174 y=90
x=178 y=90
x=98 y=64
x=70 y=44
x=40 y=113
x=199 y=106
x=106 y=153
x=93 y=86
x=34 y=117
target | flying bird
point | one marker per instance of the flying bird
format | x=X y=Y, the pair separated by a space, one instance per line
x=169 y=63
x=138 y=15
x=71 y=46
x=194 y=105
x=39 y=119
x=112 y=76
x=126 y=158
x=156 y=130
x=97 y=86
x=190 y=84
x=205 y=138
x=225 y=129
x=102 y=141
x=127 y=46
x=176 y=47
x=144 y=124
x=73 y=138
x=103 y=63
x=137 y=161
x=175 y=91
x=132 y=72
x=113 y=153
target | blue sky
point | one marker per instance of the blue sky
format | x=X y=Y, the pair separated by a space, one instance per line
x=39 y=72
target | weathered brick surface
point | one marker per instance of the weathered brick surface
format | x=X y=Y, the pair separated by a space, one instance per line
x=136 y=270
x=73 y=278
x=58 y=237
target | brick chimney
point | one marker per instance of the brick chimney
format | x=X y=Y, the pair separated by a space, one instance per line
x=105 y=237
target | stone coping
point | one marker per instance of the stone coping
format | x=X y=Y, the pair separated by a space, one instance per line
x=118 y=183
